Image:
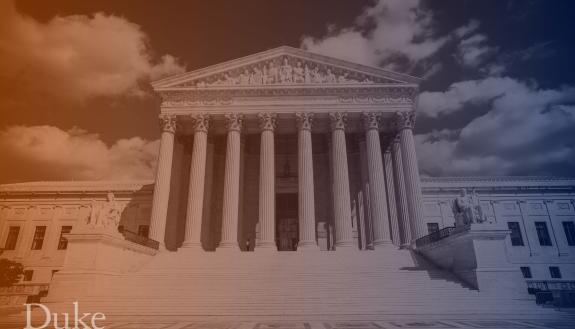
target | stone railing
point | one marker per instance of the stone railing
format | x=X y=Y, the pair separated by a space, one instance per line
x=12 y=298
x=139 y=239
x=435 y=236
x=540 y=285
x=25 y=289
x=559 y=293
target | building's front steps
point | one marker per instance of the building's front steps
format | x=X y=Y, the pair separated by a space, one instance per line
x=255 y=286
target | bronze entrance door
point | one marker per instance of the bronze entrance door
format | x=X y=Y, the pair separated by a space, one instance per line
x=287 y=227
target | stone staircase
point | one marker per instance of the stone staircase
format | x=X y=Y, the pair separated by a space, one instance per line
x=295 y=284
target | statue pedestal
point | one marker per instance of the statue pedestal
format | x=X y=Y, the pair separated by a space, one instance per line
x=476 y=253
x=94 y=257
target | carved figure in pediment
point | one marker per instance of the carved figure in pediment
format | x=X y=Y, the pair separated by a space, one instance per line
x=228 y=80
x=265 y=75
x=330 y=77
x=286 y=72
x=244 y=77
x=317 y=76
x=298 y=73
x=256 y=77
x=342 y=78
x=272 y=74
x=306 y=74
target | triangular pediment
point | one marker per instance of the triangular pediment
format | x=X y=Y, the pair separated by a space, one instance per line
x=283 y=66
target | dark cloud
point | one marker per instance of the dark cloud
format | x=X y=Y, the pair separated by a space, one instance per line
x=526 y=130
x=75 y=58
x=71 y=64
x=50 y=153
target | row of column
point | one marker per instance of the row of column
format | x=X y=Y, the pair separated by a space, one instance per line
x=404 y=201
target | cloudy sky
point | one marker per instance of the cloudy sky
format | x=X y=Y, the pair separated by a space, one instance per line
x=75 y=101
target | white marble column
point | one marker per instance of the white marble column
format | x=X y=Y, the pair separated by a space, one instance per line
x=163 y=176
x=207 y=218
x=365 y=195
x=267 y=122
x=230 y=211
x=391 y=203
x=193 y=233
x=406 y=121
x=381 y=232
x=400 y=193
x=306 y=200
x=341 y=196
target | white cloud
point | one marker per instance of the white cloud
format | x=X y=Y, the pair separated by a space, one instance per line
x=526 y=129
x=459 y=94
x=77 y=57
x=384 y=31
x=466 y=30
x=49 y=153
x=474 y=50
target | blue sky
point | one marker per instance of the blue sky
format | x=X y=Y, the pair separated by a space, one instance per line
x=498 y=96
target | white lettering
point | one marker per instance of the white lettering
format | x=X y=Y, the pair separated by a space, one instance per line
x=98 y=316
x=64 y=323
x=80 y=320
x=29 y=316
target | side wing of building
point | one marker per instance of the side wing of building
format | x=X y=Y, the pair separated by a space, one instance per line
x=540 y=212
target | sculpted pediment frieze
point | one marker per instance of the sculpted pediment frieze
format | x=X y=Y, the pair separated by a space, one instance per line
x=283 y=66
x=287 y=75
x=285 y=70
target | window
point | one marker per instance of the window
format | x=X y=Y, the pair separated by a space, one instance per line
x=143 y=230
x=432 y=228
x=120 y=228
x=12 y=238
x=543 y=234
x=516 y=237
x=39 y=237
x=28 y=274
x=63 y=242
x=569 y=228
x=526 y=270
x=555 y=272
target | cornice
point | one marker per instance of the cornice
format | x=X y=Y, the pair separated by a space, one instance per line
x=518 y=183
x=511 y=183
x=498 y=179
x=343 y=94
x=76 y=187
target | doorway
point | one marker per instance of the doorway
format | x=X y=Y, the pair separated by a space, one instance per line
x=287 y=226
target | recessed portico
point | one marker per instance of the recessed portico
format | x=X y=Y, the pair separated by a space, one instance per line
x=284 y=122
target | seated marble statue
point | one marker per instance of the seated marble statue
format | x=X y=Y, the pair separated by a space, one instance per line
x=467 y=209
x=105 y=215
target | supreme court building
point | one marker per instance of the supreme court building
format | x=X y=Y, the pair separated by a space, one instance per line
x=294 y=141
x=285 y=178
